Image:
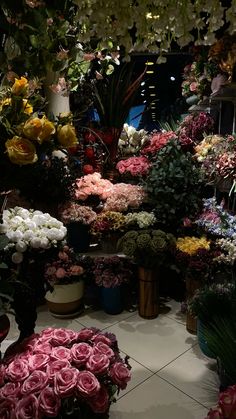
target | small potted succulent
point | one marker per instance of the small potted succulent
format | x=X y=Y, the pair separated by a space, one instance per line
x=150 y=249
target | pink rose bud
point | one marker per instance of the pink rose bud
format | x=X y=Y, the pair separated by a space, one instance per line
x=120 y=374
x=49 y=402
x=80 y=353
x=85 y=334
x=215 y=414
x=27 y=407
x=56 y=366
x=17 y=370
x=43 y=348
x=34 y=383
x=7 y=408
x=65 y=382
x=61 y=337
x=103 y=348
x=98 y=363
x=100 y=402
x=87 y=384
x=10 y=390
x=101 y=338
x=38 y=362
x=62 y=353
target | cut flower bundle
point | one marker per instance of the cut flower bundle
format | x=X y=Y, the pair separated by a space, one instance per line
x=60 y=373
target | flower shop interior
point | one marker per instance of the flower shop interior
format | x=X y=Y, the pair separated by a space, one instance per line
x=117 y=209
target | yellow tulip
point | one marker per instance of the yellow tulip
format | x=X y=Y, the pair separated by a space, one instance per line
x=48 y=129
x=32 y=128
x=28 y=109
x=21 y=151
x=20 y=86
x=66 y=136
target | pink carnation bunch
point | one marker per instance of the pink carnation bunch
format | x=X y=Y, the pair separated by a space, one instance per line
x=157 y=141
x=226 y=408
x=72 y=212
x=136 y=166
x=125 y=196
x=92 y=184
x=57 y=365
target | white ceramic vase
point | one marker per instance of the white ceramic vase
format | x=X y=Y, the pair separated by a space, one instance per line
x=66 y=300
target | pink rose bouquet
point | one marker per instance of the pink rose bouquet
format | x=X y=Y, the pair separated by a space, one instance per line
x=64 y=269
x=83 y=384
x=226 y=407
x=92 y=184
x=136 y=166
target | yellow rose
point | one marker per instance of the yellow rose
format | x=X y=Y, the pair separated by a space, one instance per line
x=21 y=151
x=66 y=136
x=5 y=102
x=20 y=86
x=48 y=129
x=32 y=128
x=27 y=107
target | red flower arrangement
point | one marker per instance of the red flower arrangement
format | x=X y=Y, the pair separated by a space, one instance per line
x=226 y=408
x=195 y=126
x=59 y=372
x=157 y=141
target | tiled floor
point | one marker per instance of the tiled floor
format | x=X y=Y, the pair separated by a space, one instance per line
x=170 y=376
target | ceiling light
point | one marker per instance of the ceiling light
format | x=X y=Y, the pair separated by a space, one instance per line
x=143 y=83
x=144 y=101
x=149 y=72
x=153 y=94
x=152 y=87
x=149 y=63
x=142 y=94
x=172 y=78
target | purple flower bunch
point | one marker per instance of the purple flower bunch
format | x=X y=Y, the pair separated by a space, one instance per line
x=112 y=271
x=195 y=126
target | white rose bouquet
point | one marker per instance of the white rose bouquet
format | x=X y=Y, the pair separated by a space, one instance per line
x=131 y=140
x=29 y=229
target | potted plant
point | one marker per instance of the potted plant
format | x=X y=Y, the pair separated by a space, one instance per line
x=61 y=373
x=34 y=237
x=150 y=249
x=195 y=259
x=78 y=219
x=173 y=185
x=65 y=280
x=110 y=273
x=208 y=302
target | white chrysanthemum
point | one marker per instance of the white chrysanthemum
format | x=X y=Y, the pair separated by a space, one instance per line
x=21 y=246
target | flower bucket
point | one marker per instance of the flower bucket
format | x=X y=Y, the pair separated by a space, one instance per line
x=78 y=236
x=148 y=293
x=66 y=300
x=192 y=285
x=202 y=340
x=111 y=300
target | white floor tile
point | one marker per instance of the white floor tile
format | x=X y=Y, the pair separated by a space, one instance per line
x=156 y=399
x=139 y=374
x=100 y=319
x=172 y=309
x=194 y=374
x=152 y=343
x=45 y=319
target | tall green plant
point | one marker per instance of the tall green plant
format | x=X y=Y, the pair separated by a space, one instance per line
x=173 y=185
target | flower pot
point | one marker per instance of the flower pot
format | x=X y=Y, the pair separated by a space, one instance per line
x=111 y=300
x=66 y=300
x=192 y=285
x=202 y=340
x=78 y=236
x=148 y=293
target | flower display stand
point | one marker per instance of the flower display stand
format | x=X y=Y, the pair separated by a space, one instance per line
x=192 y=285
x=148 y=293
x=66 y=301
